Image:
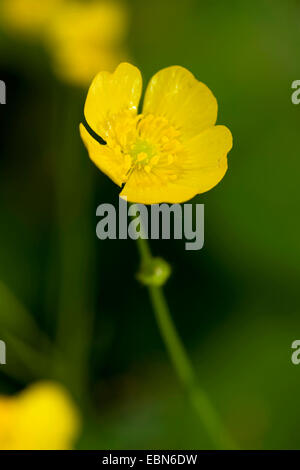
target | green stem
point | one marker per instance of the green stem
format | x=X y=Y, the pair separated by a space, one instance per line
x=182 y=365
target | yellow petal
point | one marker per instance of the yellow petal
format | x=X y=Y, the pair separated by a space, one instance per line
x=206 y=160
x=203 y=163
x=113 y=165
x=7 y=422
x=42 y=417
x=47 y=418
x=177 y=95
x=150 y=188
x=111 y=94
x=207 y=147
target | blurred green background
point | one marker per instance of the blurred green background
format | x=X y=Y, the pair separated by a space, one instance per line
x=235 y=302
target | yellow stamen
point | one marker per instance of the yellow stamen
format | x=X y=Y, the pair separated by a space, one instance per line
x=142 y=156
x=154 y=160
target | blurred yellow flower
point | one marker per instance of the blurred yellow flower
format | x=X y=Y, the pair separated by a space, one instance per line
x=28 y=17
x=43 y=417
x=85 y=38
x=82 y=37
x=170 y=152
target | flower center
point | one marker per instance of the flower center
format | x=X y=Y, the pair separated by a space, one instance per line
x=143 y=154
x=146 y=143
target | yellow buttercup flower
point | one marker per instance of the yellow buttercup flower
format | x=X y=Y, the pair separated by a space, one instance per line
x=81 y=37
x=43 y=417
x=168 y=153
x=86 y=37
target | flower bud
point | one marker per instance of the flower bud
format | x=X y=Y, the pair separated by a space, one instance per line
x=155 y=272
